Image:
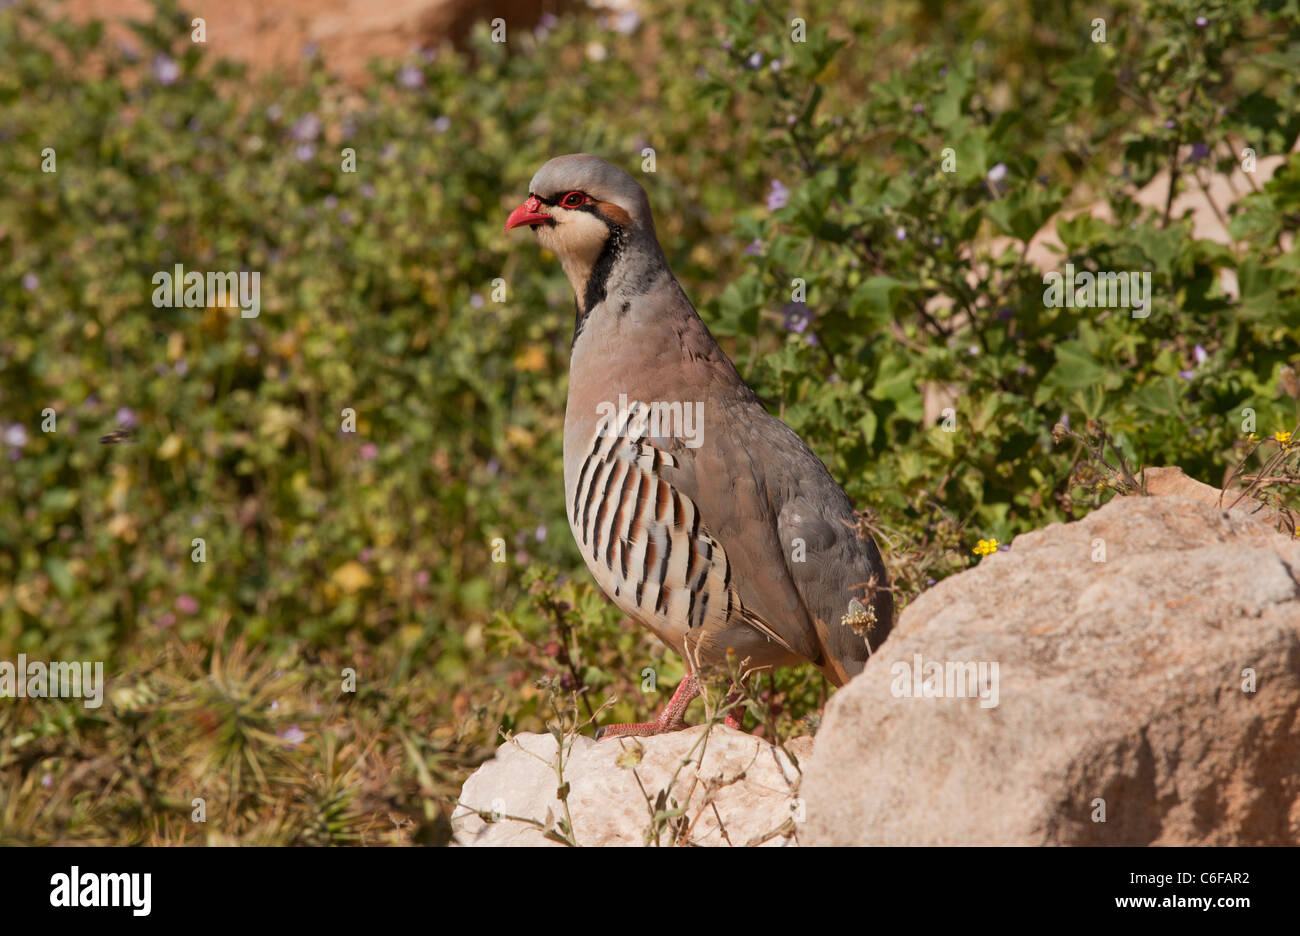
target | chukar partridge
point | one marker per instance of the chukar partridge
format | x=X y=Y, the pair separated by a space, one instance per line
x=700 y=515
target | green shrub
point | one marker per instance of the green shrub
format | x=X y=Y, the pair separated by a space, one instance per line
x=819 y=161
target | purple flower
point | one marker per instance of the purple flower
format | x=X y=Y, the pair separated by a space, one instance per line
x=796 y=317
x=1186 y=374
x=778 y=197
x=441 y=124
x=187 y=604
x=1202 y=22
x=1169 y=125
x=304 y=152
x=493 y=466
x=422 y=578
x=548 y=21
x=346 y=217
x=1006 y=313
x=367 y=190
x=756 y=60
x=918 y=108
x=754 y=248
x=774 y=66
x=366 y=554
x=331 y=202
x=306 y=128
x=900 y=235
x=31 y=282
x=369 y=451
x=1200 y=355
x=476 y=301
x=126 y=418
x=15 y=435
x=625 y=22
x=165 y=71
x=1199 y=152
x=291 y=736
x=540 y=533
x=998 y=172
x=410 y=77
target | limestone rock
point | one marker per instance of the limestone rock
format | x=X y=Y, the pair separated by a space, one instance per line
x=1126 y=647
x=742 y=780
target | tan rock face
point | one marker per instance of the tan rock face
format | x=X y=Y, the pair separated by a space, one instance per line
x=1147 y=670
x=734 y=789
x=349 y=33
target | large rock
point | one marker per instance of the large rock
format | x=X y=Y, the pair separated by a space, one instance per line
x=1127 y=647
x=733 y=777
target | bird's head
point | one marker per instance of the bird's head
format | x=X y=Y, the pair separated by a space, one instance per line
x=583 y=209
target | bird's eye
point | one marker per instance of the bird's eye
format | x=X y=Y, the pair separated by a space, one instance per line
x=573 y=200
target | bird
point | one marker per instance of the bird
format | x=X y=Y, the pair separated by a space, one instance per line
x=700 y=515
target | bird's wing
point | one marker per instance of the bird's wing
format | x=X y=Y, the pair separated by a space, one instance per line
x=724 y=477
x=789 y=530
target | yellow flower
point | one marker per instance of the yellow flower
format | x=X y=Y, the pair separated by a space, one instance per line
x=985 y=547
x=1282 y=437
x=351 y=576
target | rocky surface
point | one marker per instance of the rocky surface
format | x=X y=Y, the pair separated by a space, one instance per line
x=735 y=789
x=1148 y=671
x=346 y=33
x=1134 y=679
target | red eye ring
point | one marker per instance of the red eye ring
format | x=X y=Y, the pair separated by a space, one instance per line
x=573 y=200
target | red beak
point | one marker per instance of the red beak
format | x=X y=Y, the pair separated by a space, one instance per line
x=528 y=213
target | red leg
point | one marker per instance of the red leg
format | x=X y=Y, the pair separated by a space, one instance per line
x=735 y=718
x=672 y=718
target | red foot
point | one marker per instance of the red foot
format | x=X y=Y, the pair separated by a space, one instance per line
x=735 y=718
x=672 y=718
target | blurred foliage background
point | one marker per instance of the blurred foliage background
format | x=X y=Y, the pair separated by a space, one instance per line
x=372 y=550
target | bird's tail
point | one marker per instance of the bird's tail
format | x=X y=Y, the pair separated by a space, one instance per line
x=849 y=642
